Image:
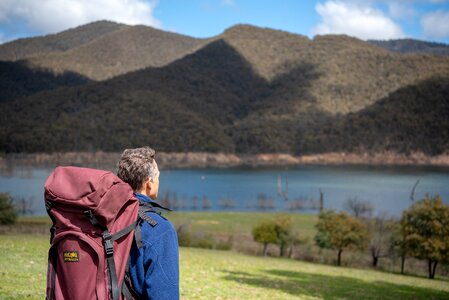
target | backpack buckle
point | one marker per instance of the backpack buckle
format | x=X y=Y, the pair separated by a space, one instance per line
x=108 y=245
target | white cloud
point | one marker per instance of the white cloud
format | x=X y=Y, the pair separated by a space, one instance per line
x=436 y=24
x=401 y=10
x=49 y=16
x=355 y=19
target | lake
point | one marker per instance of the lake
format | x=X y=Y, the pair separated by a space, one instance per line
x=387 y=188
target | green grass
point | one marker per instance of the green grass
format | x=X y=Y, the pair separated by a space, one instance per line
x=23 y=262
x=207 y=274
x=227 y=223
x=233 y=223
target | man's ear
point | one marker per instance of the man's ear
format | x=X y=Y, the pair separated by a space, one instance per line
x=151 y=182
x=148 y=184
x=145 y=187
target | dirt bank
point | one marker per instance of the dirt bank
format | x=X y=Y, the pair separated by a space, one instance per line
x=222 y=160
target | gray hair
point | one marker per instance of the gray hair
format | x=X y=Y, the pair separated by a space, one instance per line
x=136 y=166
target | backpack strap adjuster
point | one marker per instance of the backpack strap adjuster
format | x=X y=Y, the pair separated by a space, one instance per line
x=108 y=246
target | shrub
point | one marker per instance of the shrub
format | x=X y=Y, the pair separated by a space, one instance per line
x=203 y=241
x=265 y=233
x=8 y=214
x=339 y=231
x=426 y=228
x=184 y=235
x=284 y=232
x=224 y=245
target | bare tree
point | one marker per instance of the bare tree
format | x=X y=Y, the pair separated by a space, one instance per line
x=283 y=193
x=166 y=201
x=263 y=202
x=412 y=193
x=296 y=204
x=321 y=201
x=227 y=203
x=194 y=203
x=380 y=230
x=398 y=243
x=206 y=203
x=23 y=205
x=358 y=208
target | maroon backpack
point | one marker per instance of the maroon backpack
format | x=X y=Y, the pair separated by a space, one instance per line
x=95 y=217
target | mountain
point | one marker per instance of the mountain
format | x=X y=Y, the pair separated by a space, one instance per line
x=120 y=52
x=413 y=46
x=247 y=90
x=28 y=47
x=413 y=118
x=349 y=74
x=18 y=79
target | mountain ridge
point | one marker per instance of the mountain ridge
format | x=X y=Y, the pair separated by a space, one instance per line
x=247 y=90
x=413 y=46
x=28 y=47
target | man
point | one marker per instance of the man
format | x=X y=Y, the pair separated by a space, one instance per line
x=154 y=267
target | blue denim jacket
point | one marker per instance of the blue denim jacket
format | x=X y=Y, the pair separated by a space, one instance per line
x=154 y=268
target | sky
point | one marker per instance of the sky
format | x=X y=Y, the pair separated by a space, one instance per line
x=368 y=19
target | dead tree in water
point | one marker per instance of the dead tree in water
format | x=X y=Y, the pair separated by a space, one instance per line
x=206 y=203
x=412 y=194
x=283 y=193
x=321 y=201
x=194 y=203
x=24 y=206
x=358 y=208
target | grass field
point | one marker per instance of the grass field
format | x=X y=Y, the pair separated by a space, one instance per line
x=237 y=223
x=228 y=223
x=208 y=274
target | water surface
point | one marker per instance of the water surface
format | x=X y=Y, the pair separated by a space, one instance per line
x=387 y=188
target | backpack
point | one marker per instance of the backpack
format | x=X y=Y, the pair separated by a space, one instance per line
x=96 y=218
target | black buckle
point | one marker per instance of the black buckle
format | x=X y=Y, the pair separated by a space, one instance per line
x=48 y=205
x=89 y=215
x=108 y=245
x=52 y=233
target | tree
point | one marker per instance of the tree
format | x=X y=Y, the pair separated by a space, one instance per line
x=339 y=231
x=8 y=214
x=265 y=233
x=24 y=206
x=284 y=232
x=426 y=228
x=358 y=208
x=380 y=231
x=398 y=245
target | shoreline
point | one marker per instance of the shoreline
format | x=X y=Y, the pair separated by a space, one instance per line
x=224 y=160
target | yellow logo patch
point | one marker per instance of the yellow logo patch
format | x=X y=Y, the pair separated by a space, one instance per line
x=71 y=256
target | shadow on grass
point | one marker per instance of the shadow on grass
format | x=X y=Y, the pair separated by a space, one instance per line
x=332 y=287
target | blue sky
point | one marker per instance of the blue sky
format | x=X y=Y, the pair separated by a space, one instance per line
x=369 y=19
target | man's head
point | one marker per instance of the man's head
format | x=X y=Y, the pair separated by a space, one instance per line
x=138 y=168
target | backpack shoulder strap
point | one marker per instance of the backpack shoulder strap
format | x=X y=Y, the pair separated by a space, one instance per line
x=128 y=290
x=145 y=207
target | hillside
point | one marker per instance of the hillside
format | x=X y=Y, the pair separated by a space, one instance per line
x=413 y=46
x=212 y=274
x=19 y=79
x=28 y=47
x=248 y=90
x=120 y=52
x=413 y=118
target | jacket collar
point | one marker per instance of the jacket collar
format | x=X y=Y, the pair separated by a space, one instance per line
x=143 y=197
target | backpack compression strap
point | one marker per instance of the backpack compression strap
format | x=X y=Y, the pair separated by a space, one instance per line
x=108 y=240
x=48 y=207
